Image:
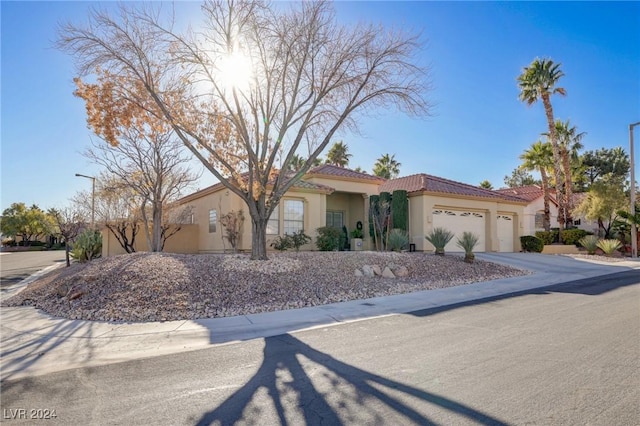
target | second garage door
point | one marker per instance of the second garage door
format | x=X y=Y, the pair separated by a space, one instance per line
x=459 y=221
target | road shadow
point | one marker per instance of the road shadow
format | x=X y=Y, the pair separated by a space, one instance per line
x=338 y=393
x=587 y=286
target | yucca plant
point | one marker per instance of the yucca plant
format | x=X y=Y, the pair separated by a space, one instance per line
x=590 y=243
x=439 y=237
x=609 y=246
x=467 y=243
x=398 y=239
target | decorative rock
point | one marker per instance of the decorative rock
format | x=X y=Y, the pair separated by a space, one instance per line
x=401 y=271
x=368 y=271
x=358 y=273
x=387 y=273
x=377 y=270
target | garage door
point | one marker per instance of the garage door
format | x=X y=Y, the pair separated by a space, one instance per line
x=459 y=221
x=505 y=232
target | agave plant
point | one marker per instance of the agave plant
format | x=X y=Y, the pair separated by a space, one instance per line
x=439 y=237
x=467 y=243
x=609 y=246
x=398 y=239
x=590 y=243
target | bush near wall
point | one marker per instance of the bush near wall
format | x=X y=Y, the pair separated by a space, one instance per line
x=573 y=236
x=548 y=237
x=531 y=244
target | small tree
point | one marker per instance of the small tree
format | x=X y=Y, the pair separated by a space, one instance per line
x=233 y=223
x=69 y=222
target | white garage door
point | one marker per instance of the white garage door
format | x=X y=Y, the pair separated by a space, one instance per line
x=505 y=232
x=459 y=221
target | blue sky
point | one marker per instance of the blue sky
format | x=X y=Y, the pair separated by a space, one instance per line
x=475 y=50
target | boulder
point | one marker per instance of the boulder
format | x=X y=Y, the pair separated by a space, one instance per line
x=367 y=271
x=358 y=273
x=401 y=271
x=387 y=273
x=377 y=270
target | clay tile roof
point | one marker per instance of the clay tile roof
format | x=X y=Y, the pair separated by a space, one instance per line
x=528 y=193
x=331 y=170
x=424 y=182
x=308 y=185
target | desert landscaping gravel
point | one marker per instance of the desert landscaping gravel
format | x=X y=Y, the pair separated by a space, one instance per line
x=161 y=287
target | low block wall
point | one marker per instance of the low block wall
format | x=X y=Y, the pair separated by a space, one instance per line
x=560 y=249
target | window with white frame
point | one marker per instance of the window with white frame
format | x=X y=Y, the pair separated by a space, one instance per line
x=273 y=226
x=293 y=216
x=213 y=219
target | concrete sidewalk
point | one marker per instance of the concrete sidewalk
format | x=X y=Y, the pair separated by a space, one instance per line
x=33 y=343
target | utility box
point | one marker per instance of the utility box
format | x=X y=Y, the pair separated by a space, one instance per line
x=356 y=244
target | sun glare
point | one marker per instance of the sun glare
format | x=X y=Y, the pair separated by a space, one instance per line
x=235 y=71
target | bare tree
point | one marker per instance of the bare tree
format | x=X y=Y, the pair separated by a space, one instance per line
x=69 y=222
x=117 y=208
x=151 y=164
x=251 y=85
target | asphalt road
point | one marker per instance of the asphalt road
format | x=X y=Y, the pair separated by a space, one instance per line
x=567 y=354
x=16 y=266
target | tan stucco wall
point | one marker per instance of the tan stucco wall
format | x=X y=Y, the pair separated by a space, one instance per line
x=421 y=208
x=225 y=201
x=184 y=241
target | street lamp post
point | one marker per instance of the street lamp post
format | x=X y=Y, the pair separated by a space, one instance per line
x=634 y=230
x=93 y=198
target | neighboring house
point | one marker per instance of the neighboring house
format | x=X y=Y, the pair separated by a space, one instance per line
x=534 y=210
x=336 y=196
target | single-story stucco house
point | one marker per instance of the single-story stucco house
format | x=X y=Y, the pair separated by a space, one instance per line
x=336 y=196
x=534 y=210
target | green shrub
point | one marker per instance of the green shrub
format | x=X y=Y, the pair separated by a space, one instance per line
x=573 y=236
x=547 y=237
x=287 y=241
x=298 y=239
x=329 y=238
x=609 y=246
x=590 y=243
x=398 y=239
x=356 y=233
x=531 y=244
x=400 y=209
x=281 y=243
x=439 y=237
x=467 y=243
x=87 y=246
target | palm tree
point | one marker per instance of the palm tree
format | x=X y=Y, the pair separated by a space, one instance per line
x=538 y=82
x=569 y=141
x=296 y=163
x=338 y=155
x=387 y=167
x=540 y=157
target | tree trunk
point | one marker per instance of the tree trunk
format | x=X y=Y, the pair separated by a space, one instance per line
x=568 y=190
x=546 y=221
x=556 y=163
x=156 y=230
x=259 y=238
x=66 y=253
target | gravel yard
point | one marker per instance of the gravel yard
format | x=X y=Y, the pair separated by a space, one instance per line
x=162 y=287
